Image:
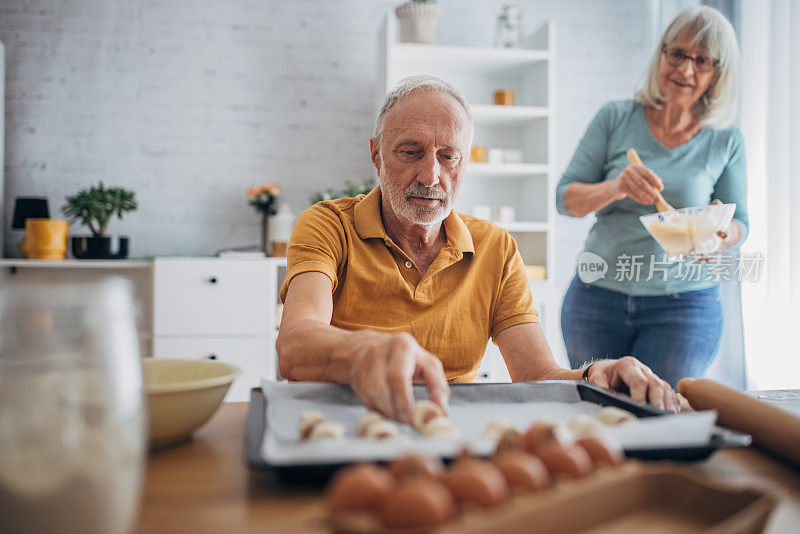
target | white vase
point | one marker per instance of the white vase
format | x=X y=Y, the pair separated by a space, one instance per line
x=418 y=22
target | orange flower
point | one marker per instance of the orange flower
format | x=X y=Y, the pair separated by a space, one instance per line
x=270 y=188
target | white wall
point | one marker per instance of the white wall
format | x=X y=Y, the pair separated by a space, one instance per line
x=191 y=102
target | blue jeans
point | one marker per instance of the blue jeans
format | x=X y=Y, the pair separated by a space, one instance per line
x=676 y=335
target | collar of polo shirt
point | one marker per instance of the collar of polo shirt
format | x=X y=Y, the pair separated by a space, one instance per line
x=369 y=224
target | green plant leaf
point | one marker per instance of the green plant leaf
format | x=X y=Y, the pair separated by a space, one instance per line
x=95 y=205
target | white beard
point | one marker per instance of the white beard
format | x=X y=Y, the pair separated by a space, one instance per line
x=403 y=209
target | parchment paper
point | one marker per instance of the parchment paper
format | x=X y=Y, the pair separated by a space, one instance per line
x=471 y=408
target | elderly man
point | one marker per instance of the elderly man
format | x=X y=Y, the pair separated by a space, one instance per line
x=394 y=287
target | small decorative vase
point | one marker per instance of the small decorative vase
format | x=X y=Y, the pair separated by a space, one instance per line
x=418 y=21
x=45 y=239
x=265 y=245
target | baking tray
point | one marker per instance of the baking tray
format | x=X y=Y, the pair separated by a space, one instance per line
x=556 y=390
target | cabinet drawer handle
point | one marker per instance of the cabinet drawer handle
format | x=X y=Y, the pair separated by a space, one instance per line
x=213 y=280
x=211 y=357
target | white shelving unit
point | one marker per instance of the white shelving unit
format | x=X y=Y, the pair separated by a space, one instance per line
x=528 y=187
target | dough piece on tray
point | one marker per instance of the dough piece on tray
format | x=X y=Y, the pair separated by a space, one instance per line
x=424 y=412
x=496 y=428
x=611 y=415
x=382 y=429
x=366 y=420
x=585 y=425
x=430 y=420
x=327 y=429
x=373 y=425
x=441 y=427
x=308 y=420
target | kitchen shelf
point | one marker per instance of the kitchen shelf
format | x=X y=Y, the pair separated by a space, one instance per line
x=79 y=264
x=523 y=226
x=519 y=170
x=492 y=115
x=466 y=58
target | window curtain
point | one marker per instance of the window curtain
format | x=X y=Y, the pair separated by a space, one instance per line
x=770 y=122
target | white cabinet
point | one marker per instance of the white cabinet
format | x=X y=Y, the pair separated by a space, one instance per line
x=222 y=309
x=527 y=186
x=217 y=308
x=253 y=355
x=212 y=296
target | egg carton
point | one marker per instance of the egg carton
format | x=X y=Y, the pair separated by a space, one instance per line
x=628 y=499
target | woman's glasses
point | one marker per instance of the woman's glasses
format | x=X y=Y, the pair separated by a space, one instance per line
x=676 y=57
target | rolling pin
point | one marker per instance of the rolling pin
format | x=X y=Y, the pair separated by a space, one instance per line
x=772 y=429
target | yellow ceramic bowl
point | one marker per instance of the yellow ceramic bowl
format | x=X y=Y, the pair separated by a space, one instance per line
x=182 y=395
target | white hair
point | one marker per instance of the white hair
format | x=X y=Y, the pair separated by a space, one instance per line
x=710 y=30
x=406 y=86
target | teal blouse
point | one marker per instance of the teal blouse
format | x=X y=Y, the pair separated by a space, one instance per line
x=709 y=166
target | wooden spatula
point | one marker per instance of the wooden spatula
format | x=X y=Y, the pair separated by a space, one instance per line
x=661 y=204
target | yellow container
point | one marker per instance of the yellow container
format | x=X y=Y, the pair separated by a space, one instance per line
x=45 y=239
x=478 y=154
x=504 y=97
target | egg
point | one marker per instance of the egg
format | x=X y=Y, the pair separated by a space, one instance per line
x=510 y=440
x=522 y=471
x=308 y=420
x=566 y=460
x=416 y=465
x=603 y=450
x=476 y=482
x=418 y=502
x=544 y=433
x=361 y=487
x=423 y=412
x=365 y=421
x=611 y=415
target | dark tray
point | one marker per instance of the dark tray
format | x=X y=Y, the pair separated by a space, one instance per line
x=319 y=473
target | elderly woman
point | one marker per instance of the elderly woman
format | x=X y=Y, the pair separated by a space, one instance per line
x=666 y=314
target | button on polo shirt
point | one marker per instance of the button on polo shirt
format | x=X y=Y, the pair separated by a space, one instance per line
x=475 y=288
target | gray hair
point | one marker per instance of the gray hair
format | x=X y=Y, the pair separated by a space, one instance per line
x=711 y=30
x=406 y=86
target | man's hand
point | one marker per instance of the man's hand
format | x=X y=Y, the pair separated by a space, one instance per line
x=384 y=367
x=643 y=384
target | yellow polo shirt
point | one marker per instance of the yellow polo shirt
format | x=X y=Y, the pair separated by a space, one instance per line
x=475 y=288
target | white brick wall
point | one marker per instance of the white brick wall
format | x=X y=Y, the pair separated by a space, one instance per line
x=190 y=102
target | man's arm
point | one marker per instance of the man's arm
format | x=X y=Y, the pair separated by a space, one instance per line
x=528 y=357
x=379 y=366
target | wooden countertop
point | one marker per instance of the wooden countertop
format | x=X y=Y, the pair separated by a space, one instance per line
x=204 y=486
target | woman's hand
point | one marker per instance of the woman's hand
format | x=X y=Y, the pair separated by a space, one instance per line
x=641 y=382
x=639 y=183
x=731 y=235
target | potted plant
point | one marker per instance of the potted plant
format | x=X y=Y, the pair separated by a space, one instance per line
x=352 y=189
x=264 y=198
x=94 y=208
x=418 y=21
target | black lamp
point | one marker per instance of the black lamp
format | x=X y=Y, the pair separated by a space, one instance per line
x=29 y=208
